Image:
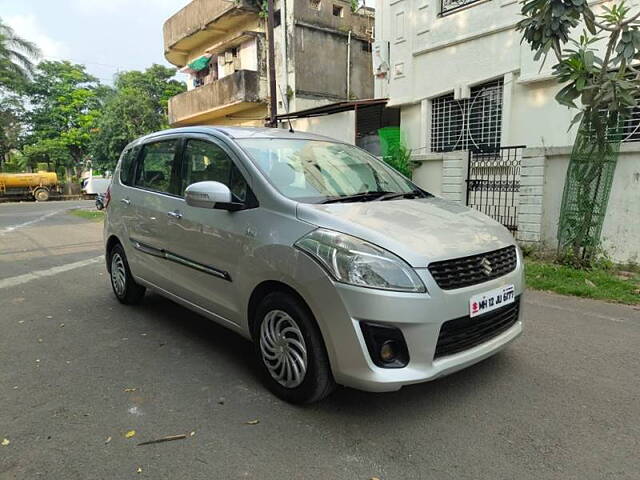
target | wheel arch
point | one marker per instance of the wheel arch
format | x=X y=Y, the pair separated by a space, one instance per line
x=265 y=288
x=112 y=241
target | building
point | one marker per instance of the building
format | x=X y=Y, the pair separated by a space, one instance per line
x=323 y=55
x=463 y=81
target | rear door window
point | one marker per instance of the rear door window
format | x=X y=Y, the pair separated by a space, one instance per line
x=156 y=167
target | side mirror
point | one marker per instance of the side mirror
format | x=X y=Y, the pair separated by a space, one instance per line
x=211 y=195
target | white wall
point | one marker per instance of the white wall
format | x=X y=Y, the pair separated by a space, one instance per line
x=428 y=175
x=621 y=228
x=339 y=126
x=410 y=126
x=430 y=55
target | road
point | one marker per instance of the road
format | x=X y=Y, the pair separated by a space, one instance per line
x=78 y=371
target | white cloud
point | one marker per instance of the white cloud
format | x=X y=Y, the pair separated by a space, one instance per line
x=27 y=26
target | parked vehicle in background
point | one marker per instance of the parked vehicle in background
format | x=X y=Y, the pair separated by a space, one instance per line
x=338 y=268
x=95 y=184
x=100 y=201
x=40 y=186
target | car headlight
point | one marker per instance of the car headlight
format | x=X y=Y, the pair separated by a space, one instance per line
x=356 y=262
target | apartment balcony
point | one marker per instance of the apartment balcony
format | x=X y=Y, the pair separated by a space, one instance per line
x=231 y=94
x=203 y=21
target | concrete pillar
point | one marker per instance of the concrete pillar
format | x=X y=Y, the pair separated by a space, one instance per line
x=454 y=176
x=530 y=208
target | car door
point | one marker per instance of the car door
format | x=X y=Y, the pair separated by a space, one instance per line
x=207 y=244
x=153 y=198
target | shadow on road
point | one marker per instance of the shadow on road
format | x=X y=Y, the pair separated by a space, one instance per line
x=436 y=396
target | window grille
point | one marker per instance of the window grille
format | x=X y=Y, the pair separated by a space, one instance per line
x=449 y=6
x=474 y=122
x=629 y=129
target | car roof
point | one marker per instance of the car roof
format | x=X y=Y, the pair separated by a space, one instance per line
x=241 y=132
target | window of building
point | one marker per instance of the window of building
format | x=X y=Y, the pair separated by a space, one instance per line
x=338 y=11
x=628 y=129
x=451 y=6
x=277 y=20
x=474 y=122
x=631 y=126
x=315 y=4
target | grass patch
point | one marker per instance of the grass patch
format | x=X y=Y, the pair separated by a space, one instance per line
x=93 y=215
x=610 y=285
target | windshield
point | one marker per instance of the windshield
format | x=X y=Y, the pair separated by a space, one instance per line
x=316 y=171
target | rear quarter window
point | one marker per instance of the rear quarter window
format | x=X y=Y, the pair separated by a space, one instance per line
x=127 y=165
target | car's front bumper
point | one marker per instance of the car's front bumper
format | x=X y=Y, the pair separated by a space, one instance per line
x=341 y=308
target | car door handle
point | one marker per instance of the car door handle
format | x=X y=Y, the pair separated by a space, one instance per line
x=125 y=201
x=175 y=214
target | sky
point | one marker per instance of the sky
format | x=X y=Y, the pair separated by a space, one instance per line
x=105 y=35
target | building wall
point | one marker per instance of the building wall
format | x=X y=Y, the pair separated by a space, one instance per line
x=431 y=55
x=621 y=229
x=339 y=126
x=321 y=66
x=317 y=53
x=543 y=173
x=253 y=117
x=311 y=54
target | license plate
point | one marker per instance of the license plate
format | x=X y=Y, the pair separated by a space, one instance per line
x=491 y=300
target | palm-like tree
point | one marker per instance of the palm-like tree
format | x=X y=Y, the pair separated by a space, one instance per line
x=16 y=56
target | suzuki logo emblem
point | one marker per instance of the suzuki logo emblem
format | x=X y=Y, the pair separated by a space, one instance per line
x=485 y=265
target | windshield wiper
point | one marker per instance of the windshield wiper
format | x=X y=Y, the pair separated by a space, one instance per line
x=362 y=196
x=394 y=195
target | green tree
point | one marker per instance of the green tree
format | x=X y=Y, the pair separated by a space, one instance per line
x=12 y=126
x=606 y=88
x=137 y=106
x=157 y=82
x=16 y=58
x=66 y=104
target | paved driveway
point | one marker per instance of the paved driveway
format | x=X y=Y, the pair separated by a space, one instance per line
x=77 y=369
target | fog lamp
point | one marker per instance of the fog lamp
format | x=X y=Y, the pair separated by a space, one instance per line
x=386 y=345
x=388 y=351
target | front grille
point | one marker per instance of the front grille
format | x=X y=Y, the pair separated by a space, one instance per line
x=466 y=271
x=466 y=332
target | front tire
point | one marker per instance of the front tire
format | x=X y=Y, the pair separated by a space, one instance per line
x=125 y=288
x=291 y=351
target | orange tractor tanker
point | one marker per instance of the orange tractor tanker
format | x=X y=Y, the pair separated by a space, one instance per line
x=40 y=185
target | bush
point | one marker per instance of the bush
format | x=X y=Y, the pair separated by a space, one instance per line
x=399 y=157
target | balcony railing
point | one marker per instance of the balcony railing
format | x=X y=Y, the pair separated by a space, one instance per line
x=450 y=6
x=230 y=92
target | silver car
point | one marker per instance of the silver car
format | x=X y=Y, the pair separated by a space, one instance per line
x=339 y=269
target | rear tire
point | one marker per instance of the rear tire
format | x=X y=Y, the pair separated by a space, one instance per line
x=125 y=288
x=291 y=351
x=41 y=195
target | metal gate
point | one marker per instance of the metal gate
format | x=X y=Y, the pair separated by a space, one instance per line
x=493 y=183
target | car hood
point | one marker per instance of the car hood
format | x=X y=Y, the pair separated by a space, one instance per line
x=420 y=231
